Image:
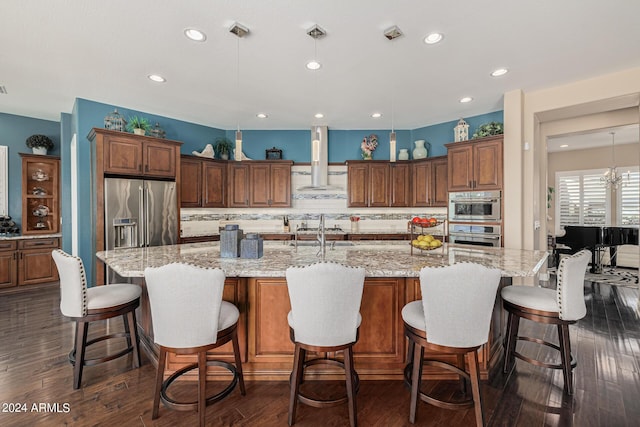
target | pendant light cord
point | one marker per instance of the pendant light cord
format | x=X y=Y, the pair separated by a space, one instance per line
x=238 y=78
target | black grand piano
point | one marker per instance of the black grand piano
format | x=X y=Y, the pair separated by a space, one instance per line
x=595 y=239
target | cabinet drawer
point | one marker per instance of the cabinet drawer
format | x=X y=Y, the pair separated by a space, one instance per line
x=52 y=243
x=8 y=245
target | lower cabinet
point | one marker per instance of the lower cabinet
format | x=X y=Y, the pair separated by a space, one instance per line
x=198 y=239
x=27 y=262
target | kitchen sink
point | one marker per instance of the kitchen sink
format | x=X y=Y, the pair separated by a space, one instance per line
x=330 y=243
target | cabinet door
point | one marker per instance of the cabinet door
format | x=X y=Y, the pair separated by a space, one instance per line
x=280 y=186
x=159 y=159
x=35 y=264
x=487 y=165
x=8 y=264
x=214 y=184
x=239 y=185
x=460 y=172
x=421 y=177
x=379 y=184
x=357 y=184
x=399 y=184
x=190 y=183
x=439 y=193
x=259 y=185
x=122 y=155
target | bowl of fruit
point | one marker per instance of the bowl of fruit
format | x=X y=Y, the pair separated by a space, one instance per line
x=425 y=222
x=426 y=242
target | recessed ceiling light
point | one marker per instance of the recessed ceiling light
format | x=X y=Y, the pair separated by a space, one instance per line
x=499 y=72
x=156 y=78
x=261 y=116
x=466 y=99
x=195 y=35
x=433 y=38
x=376 y=115
x=313 y=65
x=564 y=145
x=318 y=115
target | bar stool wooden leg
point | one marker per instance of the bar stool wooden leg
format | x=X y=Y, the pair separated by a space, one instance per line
x=133 y=338
x=82 y=329
x=202 y=386
x=349 y=377
x=461 y=365
x=565 y=354
x=513 y=322
x=236 y=352
x=474 y=375
x=298 y=372
x=416 y=379
x=162 y=360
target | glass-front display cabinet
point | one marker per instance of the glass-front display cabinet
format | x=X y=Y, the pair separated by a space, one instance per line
x=40 y=194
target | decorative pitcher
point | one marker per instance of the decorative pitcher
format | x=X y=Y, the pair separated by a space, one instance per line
x=403 y=154
x=420 y=152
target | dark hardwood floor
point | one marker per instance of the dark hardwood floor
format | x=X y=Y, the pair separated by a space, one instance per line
x=35 y=340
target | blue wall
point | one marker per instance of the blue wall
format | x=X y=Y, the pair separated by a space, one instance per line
x=14 y=131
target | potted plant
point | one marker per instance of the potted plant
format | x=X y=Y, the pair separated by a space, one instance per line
x=224 y=147
x=39 y=144
x=138 y=125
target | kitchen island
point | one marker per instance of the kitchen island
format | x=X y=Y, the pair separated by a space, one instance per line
x=258 y=287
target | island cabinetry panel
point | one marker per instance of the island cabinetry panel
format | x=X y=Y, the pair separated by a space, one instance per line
x=203 y=182
x=8 y=264
x=381 y=334
x=475 y=165
x=235 y=293
x=199 y=239
x=429 y=182
x=372 y=183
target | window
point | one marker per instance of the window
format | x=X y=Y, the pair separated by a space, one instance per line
x=582 y=199
x=628 y=200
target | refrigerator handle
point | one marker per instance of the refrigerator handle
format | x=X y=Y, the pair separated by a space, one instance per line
x=141 y=220
x=146 y=217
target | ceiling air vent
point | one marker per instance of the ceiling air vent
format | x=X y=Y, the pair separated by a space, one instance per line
x=3 y=90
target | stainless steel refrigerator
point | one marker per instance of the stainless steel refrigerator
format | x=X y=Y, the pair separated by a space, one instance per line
x=139 y=213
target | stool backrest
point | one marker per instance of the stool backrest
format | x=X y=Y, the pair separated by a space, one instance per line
x=325 y=302
x=185 y=304
x=73 y=284
x=570 y=288
x=458 y=301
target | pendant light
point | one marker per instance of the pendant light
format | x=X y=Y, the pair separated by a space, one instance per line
x=612 y=178
x=392 y=34
x=239 y=31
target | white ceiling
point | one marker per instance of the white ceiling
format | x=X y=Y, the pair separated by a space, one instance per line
x=629 y=134
x=55 y=51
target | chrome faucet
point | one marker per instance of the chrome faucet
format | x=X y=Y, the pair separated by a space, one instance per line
x=322 y=238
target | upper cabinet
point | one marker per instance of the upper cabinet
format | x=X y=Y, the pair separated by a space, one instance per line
x=476 y=164
x=203 y=182
x=429 y=182
x=133 y=155
x=40 y=194
x=374 y=183
x=260 y=184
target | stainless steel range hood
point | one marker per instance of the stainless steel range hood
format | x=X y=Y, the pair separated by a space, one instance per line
x=319 y=160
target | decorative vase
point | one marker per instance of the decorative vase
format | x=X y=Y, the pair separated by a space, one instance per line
x=420 y=152
x=139 y=131
x=367 y=155
x=39 y=150
x=403 y=154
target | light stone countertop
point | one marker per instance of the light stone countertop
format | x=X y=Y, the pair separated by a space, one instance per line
x=380 y=259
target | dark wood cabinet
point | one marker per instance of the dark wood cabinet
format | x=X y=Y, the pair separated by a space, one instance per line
x=429 y=182
x=200 y=239
x=40 y=194
x=260 y=184
x=8 y=264
x=373 y=183
x=203 y=182
x=134 y=155
x=27 y=261
x=475 y=164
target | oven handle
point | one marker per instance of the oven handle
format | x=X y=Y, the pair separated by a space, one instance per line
x=474 y=200
x=483 y=236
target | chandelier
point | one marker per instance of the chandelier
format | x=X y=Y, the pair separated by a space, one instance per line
x=612 y=178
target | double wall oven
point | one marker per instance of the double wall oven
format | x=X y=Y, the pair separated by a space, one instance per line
x=475 y=218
